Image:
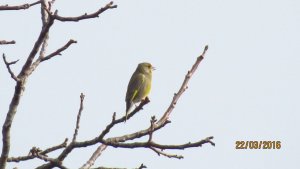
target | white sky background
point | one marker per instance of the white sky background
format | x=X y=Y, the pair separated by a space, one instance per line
x=246 y=88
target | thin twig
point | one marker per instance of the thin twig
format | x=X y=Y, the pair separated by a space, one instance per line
x=140 y=167
x=62 y=145
x=182 y=88
x=58 y=51
x=4 y=42
x=152 y=121
x=78 y=117
x=165 y=154
x=18 y=7
x=93 y=158
x=120 y=120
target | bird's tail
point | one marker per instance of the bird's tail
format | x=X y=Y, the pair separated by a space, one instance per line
x=128 y=108
x=127 y=112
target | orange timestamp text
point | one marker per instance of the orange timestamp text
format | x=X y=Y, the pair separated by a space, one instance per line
x=257 y=144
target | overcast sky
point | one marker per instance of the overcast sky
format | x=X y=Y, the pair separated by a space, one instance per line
x=246 y=88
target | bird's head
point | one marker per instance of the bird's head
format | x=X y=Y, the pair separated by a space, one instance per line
x=145 y=67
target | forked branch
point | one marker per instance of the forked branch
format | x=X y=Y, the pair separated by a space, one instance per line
x=84 y=16
x=13 y=76
x=166 y=154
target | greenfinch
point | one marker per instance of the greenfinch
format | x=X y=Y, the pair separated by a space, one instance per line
x=139 y=85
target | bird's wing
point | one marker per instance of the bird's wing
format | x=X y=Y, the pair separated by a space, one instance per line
x=135 y=84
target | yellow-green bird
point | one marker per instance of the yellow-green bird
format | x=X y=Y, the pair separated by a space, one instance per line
x=139 y=85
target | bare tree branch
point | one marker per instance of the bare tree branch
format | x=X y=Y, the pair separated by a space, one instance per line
x=26 y=70
x=58 y=51
x=18 y=7
x=31 y=156
x=4 y=42
x=78 y=117
x=46 y=18
x=55 y=162
x=8 y=68
x=36 y=152
x=85 y=16
x=45 y=5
